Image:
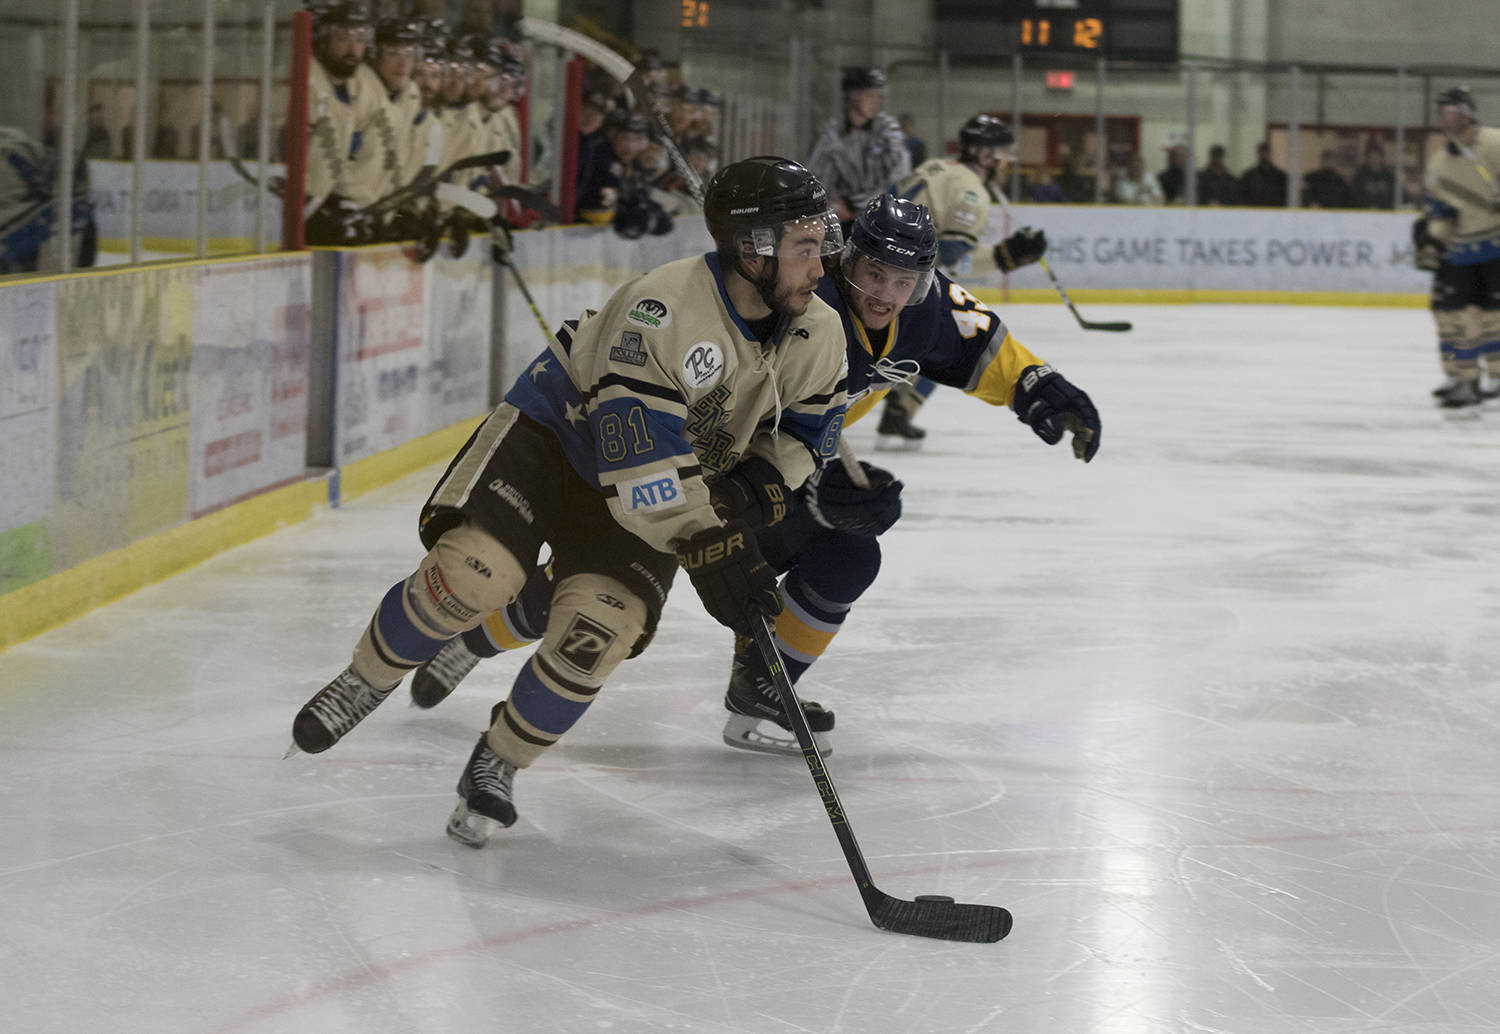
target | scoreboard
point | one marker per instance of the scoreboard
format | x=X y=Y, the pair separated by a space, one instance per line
x=1121 y=30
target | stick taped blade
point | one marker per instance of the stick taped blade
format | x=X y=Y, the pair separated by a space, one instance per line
x=1089 y=325
x=944 y=920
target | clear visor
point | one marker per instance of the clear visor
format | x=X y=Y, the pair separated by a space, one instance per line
x=809 y=237
x=882 y=282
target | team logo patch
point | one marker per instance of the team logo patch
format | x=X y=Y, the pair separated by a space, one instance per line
x=703 y=365
x=651 y=493
x=648 y=312
x=631 y=349
x=584 y=643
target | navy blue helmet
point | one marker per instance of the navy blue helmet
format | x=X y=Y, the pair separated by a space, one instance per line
x=892 y=245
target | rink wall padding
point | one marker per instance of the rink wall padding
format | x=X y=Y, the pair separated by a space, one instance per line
x=153 y=416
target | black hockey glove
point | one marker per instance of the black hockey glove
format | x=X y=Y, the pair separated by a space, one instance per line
x=751 y=491
x=1021 y=248
x=733 y=580
x=1049 y=404
x=1427 y=250
x=837 y=503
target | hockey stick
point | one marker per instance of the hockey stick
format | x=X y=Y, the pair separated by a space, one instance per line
x=930 y=915
x=1116 y=325
x=625 y=73
x=1085 y=324
x=424 y=182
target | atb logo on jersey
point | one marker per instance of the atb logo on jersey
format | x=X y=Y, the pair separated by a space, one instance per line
x=651 y=494
x=584 y=643
x=648 y=312
x=703 y=365
x=631 y=349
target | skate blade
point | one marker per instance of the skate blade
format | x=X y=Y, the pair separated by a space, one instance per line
x=745 y=733
x=887 y=443
x=469 y=827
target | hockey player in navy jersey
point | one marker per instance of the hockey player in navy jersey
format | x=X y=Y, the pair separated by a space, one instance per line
x=602 y=450
x=901 y=319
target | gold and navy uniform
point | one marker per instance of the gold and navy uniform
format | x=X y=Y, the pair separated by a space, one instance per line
x=950 y=337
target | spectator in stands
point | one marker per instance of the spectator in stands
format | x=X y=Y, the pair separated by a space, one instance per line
x=1043 y=189
x=682 y=109
x=1324 y=187
x=1216 y=184
x=1374 y=182
x=1173 y=179
x=915 y=145
x=1077 y=186
x=598 y=186
x=1133 y=185
x=1263 y=184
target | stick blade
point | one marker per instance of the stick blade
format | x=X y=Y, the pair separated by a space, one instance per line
x=944 y=920
x=1121 y=325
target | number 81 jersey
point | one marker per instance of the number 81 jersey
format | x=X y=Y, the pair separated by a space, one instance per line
x=950 y=337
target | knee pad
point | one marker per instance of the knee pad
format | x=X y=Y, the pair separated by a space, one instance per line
x=466 y=576
x=594 y=625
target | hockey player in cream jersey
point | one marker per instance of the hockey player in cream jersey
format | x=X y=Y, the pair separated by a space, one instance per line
x=343 y=105
x=953 y=190
x=602 y=450
x=901 y=319
x=1458 y=238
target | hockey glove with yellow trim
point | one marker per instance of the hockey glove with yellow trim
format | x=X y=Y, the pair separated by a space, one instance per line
x=752 y=491
x=733 y=580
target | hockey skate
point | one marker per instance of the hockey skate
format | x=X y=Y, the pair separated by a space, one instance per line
x=434 y=681
x=1461 y=394
x=896 y=432
x=756 y=719
x=485 y=796
x=333 y=711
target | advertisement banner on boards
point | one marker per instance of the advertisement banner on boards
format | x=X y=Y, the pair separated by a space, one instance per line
x=413 y=346
x=28 y=360
x=124 y=353
x=250 y=379
x=1216 y=249
x=169 y=201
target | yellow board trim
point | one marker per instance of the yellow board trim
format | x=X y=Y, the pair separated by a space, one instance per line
x=148 y=267
x=216 y=245
x=55 y=600
x=1136 y=296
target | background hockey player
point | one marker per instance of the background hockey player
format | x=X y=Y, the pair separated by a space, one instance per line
x=1459 y=240
x=601 y=450
x=901 y=319
x=861 y=152
x=954 y=191
x=342 y=108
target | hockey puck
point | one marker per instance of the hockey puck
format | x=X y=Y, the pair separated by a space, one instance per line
x=942 y=899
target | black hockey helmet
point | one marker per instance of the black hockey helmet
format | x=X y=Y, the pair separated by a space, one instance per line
x=1460 y=97
x=860 y=78
x=398 y=32
x=329 y=16
x=892 y=245
x=650 y=61
x=983 y=131
x=750 y=202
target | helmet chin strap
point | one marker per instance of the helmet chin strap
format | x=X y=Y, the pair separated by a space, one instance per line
x=765 y=282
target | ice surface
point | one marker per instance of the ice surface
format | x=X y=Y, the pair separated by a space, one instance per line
x=1214 y=716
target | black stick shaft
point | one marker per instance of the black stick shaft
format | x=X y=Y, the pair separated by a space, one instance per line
x=831 y=804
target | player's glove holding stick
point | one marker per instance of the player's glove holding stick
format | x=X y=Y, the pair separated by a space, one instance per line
x=1049 y=404
x=866 y=504
x=733 y=580
x=1021 y=248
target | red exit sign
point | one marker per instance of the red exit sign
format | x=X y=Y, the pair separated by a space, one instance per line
x=1059 y=79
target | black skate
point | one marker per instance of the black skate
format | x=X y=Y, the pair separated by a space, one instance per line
x=435 y=680
x=1463 y=393
x=752 y=701
x=333 y=711
x=896 y=432
x=485 y=796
